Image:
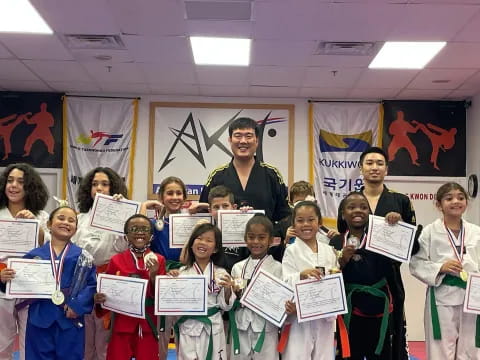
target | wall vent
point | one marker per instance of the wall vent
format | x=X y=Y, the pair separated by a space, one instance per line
x=345 y=48
x=79 y=41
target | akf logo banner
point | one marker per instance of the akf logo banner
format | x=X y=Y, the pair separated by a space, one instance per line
x=31 y=129
x=189 y=140
x=425 y=138
x=100 y=133
x=341 y=132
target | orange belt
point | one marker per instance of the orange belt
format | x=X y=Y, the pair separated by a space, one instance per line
x=282 y=343
x=102 y=268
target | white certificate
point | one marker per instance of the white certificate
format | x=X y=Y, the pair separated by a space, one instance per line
x=316 y=299
x=110 y=215
x=472 y=295
x=125 y=295
x=232 y=223
x=181 y=226
x=266 y=295
x=33 y=279
x=182 y=295
x=393 y=241
x=19 y=236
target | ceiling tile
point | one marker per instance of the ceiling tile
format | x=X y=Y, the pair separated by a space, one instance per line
x=274 y=91
x=473 y=83
x=326 y=77
x=238 y=29
x=36 y=46
x=457 y=55
x=444 y=21
x=74 y=86
x=125 y=87
x=4 y=53
x=339 y=61
x=222 y=75
x=78 y=17
x=15 y=70
x=150 y=17
x=323 y=93
x=456 y=77
x=169 y=73
x=414 y=94
x=29 y=85
x=471 y=30
x=283 y=53
x=461 y=94
x=167 y=50
x=174 y=89
x=119 y=72
x=206 y=90
x=276 y=76
x=87 y=55
x=385 y=78
x=373 y=93
x=58 y=70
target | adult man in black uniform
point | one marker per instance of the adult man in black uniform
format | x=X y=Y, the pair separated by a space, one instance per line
x=394 y=207
x=253 y=183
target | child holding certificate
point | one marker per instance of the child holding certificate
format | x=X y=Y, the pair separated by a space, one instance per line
x=100 y=244
x=172 y=193
x=364 y=274
x=308 y=257
x=55 y=326
x=447 y=254
x=203 y=337
x=131 y=336
x=23 y=195
x=257 y=337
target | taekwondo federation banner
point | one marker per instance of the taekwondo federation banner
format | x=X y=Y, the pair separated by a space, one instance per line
x=341 y=132
x=425 y=138
x=31 y=129
x=100 y=132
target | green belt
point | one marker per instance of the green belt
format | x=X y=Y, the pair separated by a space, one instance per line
x=204 y=319
x=449 y=280
x=148 y=302
x=374 y=290
x=233 y=331
x=172 y=264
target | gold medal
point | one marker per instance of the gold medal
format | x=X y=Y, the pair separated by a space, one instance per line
x=58 y=298
x=463 y=275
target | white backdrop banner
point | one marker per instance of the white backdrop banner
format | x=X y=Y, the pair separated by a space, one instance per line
x=100 y=132
x=341 y=132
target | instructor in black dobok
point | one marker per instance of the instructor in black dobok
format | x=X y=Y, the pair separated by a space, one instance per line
x=394 y=207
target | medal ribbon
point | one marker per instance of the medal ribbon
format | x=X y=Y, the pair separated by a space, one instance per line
x=451 y=238
x=255 y=269
x=57 y=270
x=212 y=287
x=135 y=259
x=362 y=241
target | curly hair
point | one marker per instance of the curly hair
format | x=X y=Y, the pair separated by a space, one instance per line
x=84 y=192
x=36 y=192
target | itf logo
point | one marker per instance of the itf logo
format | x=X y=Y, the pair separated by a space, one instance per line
x=99 y=136
x=330 y=142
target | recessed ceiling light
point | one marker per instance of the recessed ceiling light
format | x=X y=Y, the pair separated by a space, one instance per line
x=19 y=16
x=406 y=55
x=220 y=51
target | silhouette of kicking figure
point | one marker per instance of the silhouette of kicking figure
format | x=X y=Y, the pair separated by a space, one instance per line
x=399 y=129
x=6 y=130
x=445 y=139
x=99 y=135
x=44 y=121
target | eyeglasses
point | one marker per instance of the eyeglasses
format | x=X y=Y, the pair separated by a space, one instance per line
x=139 y=229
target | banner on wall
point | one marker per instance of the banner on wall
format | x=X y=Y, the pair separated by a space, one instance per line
x=189 y=140
x=100 y=132
x=425 y=138
x=31 y=129
x=341 y=132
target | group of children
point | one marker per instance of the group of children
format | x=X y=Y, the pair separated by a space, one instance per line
x=448 y=250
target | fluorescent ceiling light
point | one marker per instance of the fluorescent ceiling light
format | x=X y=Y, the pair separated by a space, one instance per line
x=19 y=16
x=220 y=51
x=406 y=55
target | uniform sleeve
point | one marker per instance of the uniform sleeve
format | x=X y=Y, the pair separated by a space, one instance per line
x=236 y=270
x=221 y=296
x=282 y=209
x=162 y=269
x=290 y=272
x=206 y=188
x=421 y=266
x=408 y=213
x=83 y=303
